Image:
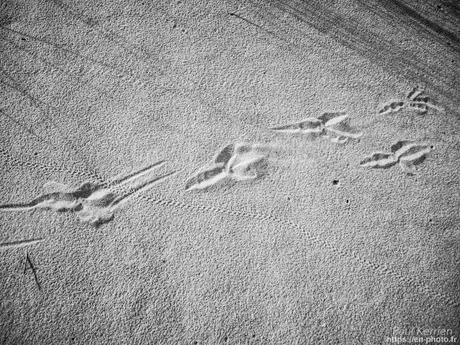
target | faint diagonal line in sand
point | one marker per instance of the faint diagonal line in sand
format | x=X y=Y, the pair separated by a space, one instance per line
x=26 y=128
x=34 y=270
x=142 y=187
x=46 y=113
x=399 y=13
x=377 y=49
x=259 y=26
x=135 y=174
x=71 y=52
x=20 y=244
x=117 y=39
x=78 y=78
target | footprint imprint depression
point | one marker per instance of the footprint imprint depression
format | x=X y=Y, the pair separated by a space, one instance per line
x=93 y=203
x=416 y=100
x=407 y=153
x=238 y=162
x=334 y=126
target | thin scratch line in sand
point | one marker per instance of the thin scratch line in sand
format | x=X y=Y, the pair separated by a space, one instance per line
x=258 y=26
x=20 y=244
x=25 y=127
x=34 y=271
x=78 y=55
x=119 y=40
x=79 y=79
x=36 y=102
x=347 y=33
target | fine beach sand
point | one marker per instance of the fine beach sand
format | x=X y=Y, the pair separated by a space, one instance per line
x=317 y=250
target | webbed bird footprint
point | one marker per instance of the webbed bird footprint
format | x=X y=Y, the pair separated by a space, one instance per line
x=407 y=153
x=415 y=100
x=234 y=161
x=92 y=203
x=335 y=126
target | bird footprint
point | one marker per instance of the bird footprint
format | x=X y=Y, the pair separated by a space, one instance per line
x=235 y=161
x=415 y=100
x=335 y=126
x=92 y=203
x=407 y=153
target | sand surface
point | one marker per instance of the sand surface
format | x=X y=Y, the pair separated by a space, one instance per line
x=316 y=250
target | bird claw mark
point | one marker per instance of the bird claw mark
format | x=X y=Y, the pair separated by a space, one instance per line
x=415 y=100
x=414 y=153
x=391 y=107
x=242 y=167
x=330 y=119
x=407 y=153
x=338 y=139
x=340 y=131
x=414 y=93
x=410 y=149
x=93 y=203
x=307 y=126
x=234 y=161
x=244 y=175
x=334 y=126
x=206 y=178
x=379 y=160
x=224 y=155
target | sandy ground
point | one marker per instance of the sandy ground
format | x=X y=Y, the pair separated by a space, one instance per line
x=318 y=250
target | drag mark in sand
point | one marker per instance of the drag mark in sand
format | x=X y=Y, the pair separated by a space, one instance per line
x=239 y=162
x=335 y=126
x=92 y=203
x=19 y=244
x=407 y=153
